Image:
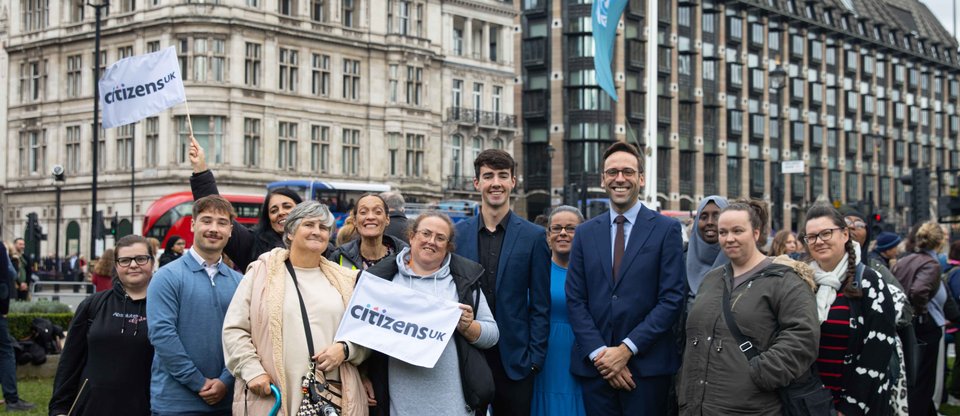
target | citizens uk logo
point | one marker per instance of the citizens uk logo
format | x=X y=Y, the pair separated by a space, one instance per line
x=600 y=11
x=123 y=92
x=378 y=317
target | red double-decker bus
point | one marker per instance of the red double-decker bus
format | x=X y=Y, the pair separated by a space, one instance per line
x=171 y=214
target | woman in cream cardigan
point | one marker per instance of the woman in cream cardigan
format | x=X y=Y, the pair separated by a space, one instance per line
x=263 y=334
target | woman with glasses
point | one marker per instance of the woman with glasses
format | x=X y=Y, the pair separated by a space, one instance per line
x=370 y=219
x=555 y=391
x=430 y=266
x=771 y=302
x=105 y=365
x=264 y=337
x=857 y=318
x=919 y=273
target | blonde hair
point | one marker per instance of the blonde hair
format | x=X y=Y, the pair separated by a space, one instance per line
x=929 y=236
x=346 y=233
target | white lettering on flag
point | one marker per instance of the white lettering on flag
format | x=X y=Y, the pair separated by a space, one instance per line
x=137 y=87
x=403 y=323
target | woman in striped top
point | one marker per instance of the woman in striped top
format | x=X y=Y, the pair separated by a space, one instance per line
x=857 y=315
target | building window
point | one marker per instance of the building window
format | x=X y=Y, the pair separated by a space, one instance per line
x=456 y=155
x=477 y=147
x=72 y=140
x=403 y=17
x=735 y=31
x=350 y=158
x=414 y=85
x=458 y=40
x=250 y=3
x=251 y=65
x=394 y=82
x=124 y=52
x=128 y=5
x=317 y=11
x=74 y=75
x=478 y=97
x=33 y=80
x=393 y=149
x=494 y=43
x=351 y=79
x=349 y=7
x=289 y=60
x=497 y=97
x=251 y=142
x=457 y=93
x=321 y=75
x=414 y=155
x=33 y=151
x=125 y=147
x=34 y=14
x=497 y=144
x=76 y=10
x=153 y=46
x=152 y=130
x=286 y=7
x=206 y=61
x=287 y=146
x=733 y=174
x=208 y=130
x=319 y=149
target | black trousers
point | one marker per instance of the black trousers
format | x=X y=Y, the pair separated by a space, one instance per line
x=511 y=397
x=920 y=396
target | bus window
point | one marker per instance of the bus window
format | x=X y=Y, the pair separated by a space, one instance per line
x=245 y=210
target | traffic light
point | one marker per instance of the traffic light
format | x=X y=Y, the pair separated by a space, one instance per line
x=919 y=197
x=875 y=224
x=33 y=235
x=114 y=225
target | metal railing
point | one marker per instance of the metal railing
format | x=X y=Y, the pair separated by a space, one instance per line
x=483 y=118
x=69 y=293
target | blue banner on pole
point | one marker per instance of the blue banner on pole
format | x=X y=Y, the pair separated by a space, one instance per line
x=606 y=16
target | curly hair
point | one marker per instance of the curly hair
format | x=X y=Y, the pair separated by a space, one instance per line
x=104 y=265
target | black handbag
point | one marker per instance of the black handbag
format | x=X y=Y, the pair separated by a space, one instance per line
x=805 y=396
x=475 y=375
x=313 y=403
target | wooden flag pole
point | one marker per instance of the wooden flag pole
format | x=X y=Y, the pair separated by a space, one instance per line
x=75 y=399
x=189 y=123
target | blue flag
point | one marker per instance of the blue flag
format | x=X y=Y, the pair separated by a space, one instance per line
x=606 y=15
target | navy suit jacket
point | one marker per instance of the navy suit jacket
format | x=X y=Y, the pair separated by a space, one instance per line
x=643 y=305
x=522 y=309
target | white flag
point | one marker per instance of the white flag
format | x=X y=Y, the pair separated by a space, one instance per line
x=137 y=87
x=403 y=323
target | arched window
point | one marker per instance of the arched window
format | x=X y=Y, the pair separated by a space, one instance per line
x=456 y=155
x=498 y=143
x=73 y=238
x=477 y=146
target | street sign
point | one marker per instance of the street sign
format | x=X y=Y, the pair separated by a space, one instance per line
x=791 y=166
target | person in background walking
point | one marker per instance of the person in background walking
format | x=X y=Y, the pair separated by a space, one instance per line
x=186 y=304
x=703 y=252
x=102 y=275
x=25 y=268
x=555 y=390
x=105 y=364
x=398 y=216
x=8 y=363
x=919 y=273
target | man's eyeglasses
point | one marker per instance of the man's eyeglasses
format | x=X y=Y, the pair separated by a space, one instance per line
x=860 y=225
x=627 y=172
x=427 y=235
x=557 y=229
x=824 y=236
x=141 y=260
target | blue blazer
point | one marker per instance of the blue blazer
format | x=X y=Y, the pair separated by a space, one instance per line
x=644 y=304
x=522 y=309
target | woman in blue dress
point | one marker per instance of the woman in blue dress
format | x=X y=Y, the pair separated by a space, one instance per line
x=555 y=391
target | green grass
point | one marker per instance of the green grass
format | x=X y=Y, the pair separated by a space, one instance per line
x=36 y=391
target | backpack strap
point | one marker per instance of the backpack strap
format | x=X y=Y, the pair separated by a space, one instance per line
x=743 y=343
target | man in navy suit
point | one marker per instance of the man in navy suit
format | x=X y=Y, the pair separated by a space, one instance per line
x=516 y=281
x=625 y=290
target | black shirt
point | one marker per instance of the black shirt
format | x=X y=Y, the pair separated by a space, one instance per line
x=488 y=246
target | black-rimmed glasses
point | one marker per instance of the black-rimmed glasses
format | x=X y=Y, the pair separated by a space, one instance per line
x=824 y=236
x=141 y=260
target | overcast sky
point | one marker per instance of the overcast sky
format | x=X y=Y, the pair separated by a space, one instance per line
x=943 y=9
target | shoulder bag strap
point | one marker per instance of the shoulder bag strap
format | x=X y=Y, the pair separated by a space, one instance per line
x=303 y=310
x=743 y=343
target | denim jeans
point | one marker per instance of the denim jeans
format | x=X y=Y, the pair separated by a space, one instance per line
x=8 y=364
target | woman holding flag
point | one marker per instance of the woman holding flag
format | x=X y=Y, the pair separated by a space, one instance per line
x=264 y=330
x=430 y=266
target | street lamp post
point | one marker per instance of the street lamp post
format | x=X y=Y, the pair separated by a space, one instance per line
x=58 y=179
x=777 y=81
x=98 y=7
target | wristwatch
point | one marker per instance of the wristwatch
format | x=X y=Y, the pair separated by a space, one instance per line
x=346 y=350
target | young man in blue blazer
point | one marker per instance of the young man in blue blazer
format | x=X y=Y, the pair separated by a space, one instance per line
x=626 y=287
x=516 y=281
